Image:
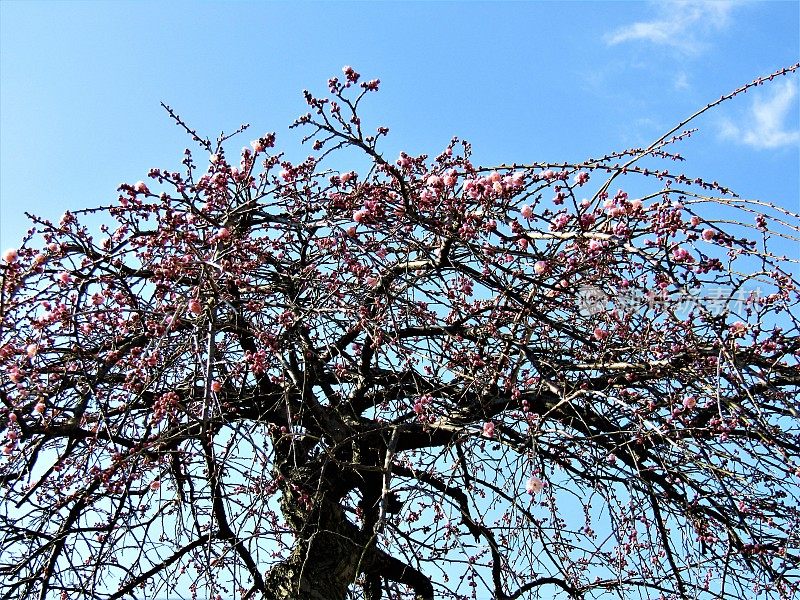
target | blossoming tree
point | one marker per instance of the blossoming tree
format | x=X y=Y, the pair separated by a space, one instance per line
x=425 y=379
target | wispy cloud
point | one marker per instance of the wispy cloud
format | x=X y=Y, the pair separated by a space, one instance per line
x=682 y=24
x=764 y=126
x=681 y=81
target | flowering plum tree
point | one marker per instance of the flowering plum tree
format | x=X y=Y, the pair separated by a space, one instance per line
x=425 y=379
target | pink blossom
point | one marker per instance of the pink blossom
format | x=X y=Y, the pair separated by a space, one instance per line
x=195 y=306
x=12 y=417
x=595 y=246
x=216 y=386
x=155 y=484
x=10 y=255
x=534 y=485
x=495 y=177
x=360 y=216
x=709 y=234
x=140 y=188
x=31 y=350
x=497 y=187
x=681 y=254
x=345 y=177
x=449 y=179
x=689 y=402
x=64 y=277
x=540 y=267
x=257 y=145
x=39 y=408
x=600 y=334
x=213 y=159
x=434 y=181
x=581 y=178
x=404 y=160
x=488 y=429
x=286 y=174
x=522 y=243
x=738 y=329
x=518 y=179
x=548 y=174
x=559 y=222
x=526 y=211
x=14 y=374
x=223 y=234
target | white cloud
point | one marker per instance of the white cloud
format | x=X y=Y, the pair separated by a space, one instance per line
x=682 y=24
x=681 y=81
x=764 y=125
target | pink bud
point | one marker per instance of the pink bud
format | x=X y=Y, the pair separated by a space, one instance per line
x=155 y=484
x=488 y=429
x=526 y=211
x=140 y=187
x=12 y=417
x=709 y=234
x=195 y=306
x=581 y=178
x=10 y=255
x=540 y=267
x=216 y=386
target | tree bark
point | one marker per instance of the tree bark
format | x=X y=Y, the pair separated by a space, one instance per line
x=330 y=554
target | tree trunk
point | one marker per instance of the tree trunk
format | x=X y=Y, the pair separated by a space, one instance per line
x=330 y=554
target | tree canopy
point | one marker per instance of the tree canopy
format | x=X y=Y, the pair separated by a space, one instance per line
x=417 y=378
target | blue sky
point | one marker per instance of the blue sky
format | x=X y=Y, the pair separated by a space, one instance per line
x=81 y=82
